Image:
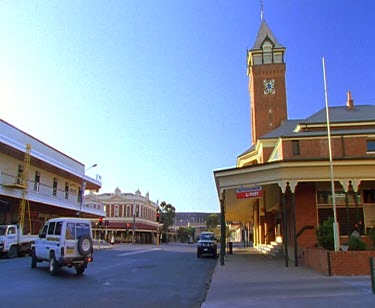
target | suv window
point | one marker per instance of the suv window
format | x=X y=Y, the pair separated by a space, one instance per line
x=58 y=228
x=51 y=227
x=70 y=233
x=76 y=230
x=44 y=232
x=83 y=229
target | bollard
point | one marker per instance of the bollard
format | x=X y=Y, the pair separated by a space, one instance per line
x=230 y=248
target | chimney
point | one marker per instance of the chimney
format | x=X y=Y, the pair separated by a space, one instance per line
x=349 y=102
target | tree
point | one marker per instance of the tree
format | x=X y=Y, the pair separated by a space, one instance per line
x=184 y=233
x=212 y=221
x=167 y=215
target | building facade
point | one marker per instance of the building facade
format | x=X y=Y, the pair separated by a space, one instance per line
x=130 y=218
x=283 y=185
x=38 y=182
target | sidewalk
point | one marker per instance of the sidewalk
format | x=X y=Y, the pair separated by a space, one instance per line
x=249 y=279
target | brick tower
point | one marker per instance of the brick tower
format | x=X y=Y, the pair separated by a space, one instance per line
x=266 y=70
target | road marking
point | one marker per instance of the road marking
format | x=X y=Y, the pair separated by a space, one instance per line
x=137 y=252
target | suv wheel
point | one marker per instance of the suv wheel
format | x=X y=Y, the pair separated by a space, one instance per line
x=33 y=258
x=84 y=245
x=53 y=266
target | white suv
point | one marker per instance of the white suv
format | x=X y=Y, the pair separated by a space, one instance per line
x=64 y=242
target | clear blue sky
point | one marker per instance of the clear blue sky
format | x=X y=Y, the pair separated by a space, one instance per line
x=156 y=92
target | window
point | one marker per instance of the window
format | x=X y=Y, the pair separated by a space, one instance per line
x=51 y=227
x=19 y=175
x=36 y=180
x=369 y=196
x=83 y=229
x=12 y=230
x=349 y=210
x=70 y=233
x=371 y=146
x=44 y=232
x=54 y=188
x=295 y=148
x=79 y=195
x=116 y=211
x=66 y=190
x=58 y=228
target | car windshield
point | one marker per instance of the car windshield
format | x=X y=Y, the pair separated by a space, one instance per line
x=207 y=237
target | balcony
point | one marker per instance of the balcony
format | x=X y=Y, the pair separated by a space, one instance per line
x=10 y=185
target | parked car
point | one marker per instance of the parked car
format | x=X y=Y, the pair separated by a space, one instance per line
x=207 y=244
x=64 y=242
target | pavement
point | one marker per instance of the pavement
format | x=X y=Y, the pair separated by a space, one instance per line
x=250 y=279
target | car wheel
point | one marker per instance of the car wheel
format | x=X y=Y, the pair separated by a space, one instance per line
x=84 y=245
x=215 y=254
x=13 y=252
x=53 y=266
x=198 y=254
x=33 y=259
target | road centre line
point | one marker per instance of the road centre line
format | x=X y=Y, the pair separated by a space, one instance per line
x=136 y=252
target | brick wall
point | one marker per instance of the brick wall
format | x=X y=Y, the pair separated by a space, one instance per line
x=317 y=259
x=338 y=263
x=318 y=148
x=350 y=263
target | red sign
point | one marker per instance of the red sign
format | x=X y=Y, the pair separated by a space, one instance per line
x=256 y=192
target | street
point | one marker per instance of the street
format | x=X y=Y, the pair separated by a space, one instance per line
x=169 y=275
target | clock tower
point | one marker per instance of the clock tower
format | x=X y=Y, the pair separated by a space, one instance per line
x=266 y=70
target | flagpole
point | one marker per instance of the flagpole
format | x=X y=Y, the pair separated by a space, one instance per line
x=336 y=234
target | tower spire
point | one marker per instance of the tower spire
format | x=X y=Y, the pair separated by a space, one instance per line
x=261 y=9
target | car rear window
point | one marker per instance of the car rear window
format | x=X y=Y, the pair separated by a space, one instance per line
x=82 y=229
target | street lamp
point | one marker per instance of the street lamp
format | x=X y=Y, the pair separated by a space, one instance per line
x=135 y=212
x=83 y=187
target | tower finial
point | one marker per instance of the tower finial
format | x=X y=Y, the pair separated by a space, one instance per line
x=261 y=9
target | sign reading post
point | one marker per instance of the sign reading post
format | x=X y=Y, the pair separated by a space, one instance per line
x=253 y=192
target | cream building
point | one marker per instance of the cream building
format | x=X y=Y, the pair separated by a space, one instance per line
x=128 y=217
x=49 y=181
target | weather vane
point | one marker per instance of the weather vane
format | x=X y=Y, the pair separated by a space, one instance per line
x=261 y=9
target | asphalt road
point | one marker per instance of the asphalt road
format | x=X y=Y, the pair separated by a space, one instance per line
x=168 y=275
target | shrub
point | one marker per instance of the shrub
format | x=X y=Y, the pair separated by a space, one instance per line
x=324 y=234
x=356 y=243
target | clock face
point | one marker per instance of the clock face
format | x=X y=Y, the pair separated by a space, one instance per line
x=269 y=86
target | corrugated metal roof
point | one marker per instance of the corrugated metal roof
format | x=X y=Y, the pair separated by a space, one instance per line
x=360 y=113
